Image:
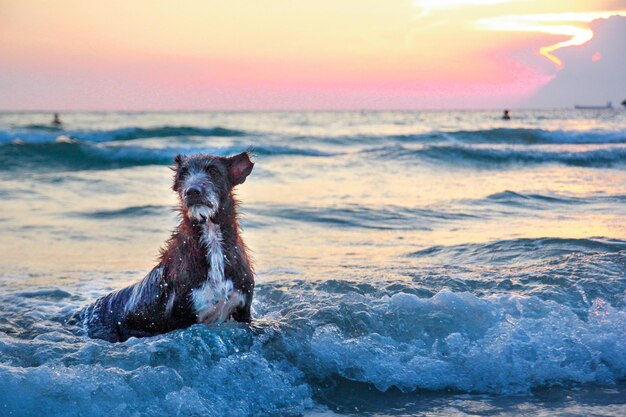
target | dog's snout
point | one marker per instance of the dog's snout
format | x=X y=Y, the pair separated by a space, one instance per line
x=193 y=191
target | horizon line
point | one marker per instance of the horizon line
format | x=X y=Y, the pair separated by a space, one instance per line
x=277 y=110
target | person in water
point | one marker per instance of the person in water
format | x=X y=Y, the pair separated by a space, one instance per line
x=506 y=115
x=56 y=120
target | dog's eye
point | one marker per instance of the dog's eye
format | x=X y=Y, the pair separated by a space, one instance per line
x=183 y=171
x=211 y=170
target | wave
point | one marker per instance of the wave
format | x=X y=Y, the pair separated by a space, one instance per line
x=310 y=338
x=571 y=272
x=45 y=293
x=49 y=134
x=41 y=133
x=131 y=211
x=513 y=197
x=529 y=249
x=359 y=216
x=556 y=320
x=288 y=151
x=537 y=136
x=74 y=156
x=185 y=373
x=520 y=136
x=496 y=344
x=534 y=200
x=168 y=131
x=44 y=127
x=85 y=156
x=468 y=155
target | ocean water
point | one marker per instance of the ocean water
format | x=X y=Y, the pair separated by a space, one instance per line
x=408 y=263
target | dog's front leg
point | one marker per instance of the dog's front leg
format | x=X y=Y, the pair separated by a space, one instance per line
x=242 y=314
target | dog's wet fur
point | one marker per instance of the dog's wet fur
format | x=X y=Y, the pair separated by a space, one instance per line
x=204 y=274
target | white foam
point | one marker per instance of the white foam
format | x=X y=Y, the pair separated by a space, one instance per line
x=497 y=344
x=182 y=374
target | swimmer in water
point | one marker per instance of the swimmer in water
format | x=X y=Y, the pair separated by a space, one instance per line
x=506 y=115
x=56 y=121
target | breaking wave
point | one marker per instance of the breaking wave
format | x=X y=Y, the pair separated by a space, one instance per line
x=519 y=136
x=49 y=134
x=481 y=156
x=309 y=336
x=42 y=145
x=84 y=156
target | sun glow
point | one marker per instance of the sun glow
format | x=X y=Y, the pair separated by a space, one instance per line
x=276 y=54
x=426 y=6
x=567 y=24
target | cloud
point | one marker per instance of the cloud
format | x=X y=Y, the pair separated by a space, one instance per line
x=593 y=73
x=574 y=25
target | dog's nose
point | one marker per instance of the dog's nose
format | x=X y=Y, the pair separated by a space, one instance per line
x=193 y=191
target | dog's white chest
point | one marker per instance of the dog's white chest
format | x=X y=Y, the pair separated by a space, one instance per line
x=216 y=299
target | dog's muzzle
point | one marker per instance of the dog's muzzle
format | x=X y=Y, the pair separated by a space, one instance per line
x=201 y=202
x=200 y=213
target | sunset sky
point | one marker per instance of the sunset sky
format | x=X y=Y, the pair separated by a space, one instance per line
x=299 y=54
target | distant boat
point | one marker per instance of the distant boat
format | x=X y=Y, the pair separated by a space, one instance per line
x=608 y=106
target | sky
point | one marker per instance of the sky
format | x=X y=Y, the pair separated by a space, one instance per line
x=310 y=55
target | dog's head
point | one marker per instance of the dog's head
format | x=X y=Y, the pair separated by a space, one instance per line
x=204 y=182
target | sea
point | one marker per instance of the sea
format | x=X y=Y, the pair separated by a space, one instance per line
x=431 y=263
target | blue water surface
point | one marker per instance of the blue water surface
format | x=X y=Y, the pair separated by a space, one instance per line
x=408 y=263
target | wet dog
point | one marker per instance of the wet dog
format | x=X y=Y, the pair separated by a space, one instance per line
x=204 y=274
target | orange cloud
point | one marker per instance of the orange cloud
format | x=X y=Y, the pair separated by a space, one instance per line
x=567 y=24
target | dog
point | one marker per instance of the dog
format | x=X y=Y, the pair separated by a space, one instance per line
x=204 y=274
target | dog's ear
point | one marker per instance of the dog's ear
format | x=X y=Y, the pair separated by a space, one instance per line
x=239 y=167
x=178 y=160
